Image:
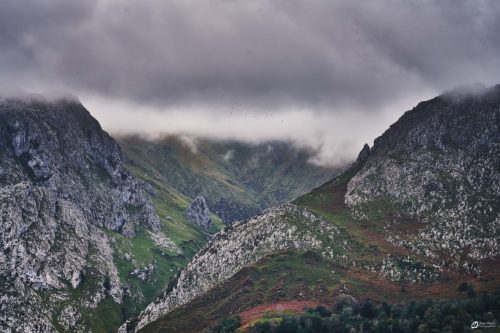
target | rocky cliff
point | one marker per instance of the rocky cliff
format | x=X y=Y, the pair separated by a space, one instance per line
x=62 y=189
x=438 y=167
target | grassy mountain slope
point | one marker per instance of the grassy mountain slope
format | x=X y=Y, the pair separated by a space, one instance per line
x=184 y=240
x=238 y=180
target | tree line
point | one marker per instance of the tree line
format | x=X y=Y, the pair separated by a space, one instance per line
x=349 y=316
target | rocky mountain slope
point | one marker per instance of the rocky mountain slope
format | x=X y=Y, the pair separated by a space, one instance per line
x=62 y=186
x=413 y=217
x=89 y=237
x=84 y=243
x=242 y=244
x=88 y=240
x=438 y=166
x=198 y=213
x=237 y=179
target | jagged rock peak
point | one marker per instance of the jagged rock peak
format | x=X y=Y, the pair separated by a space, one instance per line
x=363 y=155
x=59 y=146
x=199 y=213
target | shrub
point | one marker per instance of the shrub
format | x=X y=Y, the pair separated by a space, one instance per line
x=368 y=309
x=229 y=325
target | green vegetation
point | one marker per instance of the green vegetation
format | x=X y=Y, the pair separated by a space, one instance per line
x=291 y=271
x=423 y=316
x=229 y=325
x=238 y=180
x=280 y=277
x=141 y=251
x=175 y=175
x=328 y=201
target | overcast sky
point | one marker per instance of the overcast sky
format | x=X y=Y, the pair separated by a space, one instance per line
x=331 y=74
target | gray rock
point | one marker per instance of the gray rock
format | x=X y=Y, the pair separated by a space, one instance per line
x=363 y=156
x=438 y=165
x=144 y=274
x=198 y=213
x=69 y=318
x=62 y=183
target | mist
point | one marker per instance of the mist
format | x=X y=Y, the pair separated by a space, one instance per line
x=336 y=138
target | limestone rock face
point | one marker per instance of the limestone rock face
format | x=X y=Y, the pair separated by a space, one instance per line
x=198 y=213
x=240 y=245
x=439 y=165
x=62 y=185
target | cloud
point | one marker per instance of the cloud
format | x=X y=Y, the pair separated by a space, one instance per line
x=188 y=141
x=337 y=137
x=324 y=60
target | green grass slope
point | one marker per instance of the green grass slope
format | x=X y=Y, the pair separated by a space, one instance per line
x=237 y=179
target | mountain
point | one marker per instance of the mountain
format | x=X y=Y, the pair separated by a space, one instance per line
x=437 y=170
x=415 y=216
x=237 y=179
x=84 y=243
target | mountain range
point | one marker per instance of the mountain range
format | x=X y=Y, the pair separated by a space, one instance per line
x=413 y=217
x=91 y=232
x=141 y=235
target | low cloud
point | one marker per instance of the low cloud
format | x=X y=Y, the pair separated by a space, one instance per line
x=336 y=137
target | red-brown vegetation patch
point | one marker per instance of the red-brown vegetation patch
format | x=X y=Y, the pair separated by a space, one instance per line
x=292 y=306
x=381 y=289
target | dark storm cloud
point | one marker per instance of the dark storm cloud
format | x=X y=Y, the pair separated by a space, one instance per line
x=315 y=54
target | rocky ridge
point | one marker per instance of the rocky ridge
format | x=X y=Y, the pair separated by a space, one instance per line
x=242 y=244
x=62 y=188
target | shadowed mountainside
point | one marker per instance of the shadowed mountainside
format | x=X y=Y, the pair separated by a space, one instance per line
x=238 y=180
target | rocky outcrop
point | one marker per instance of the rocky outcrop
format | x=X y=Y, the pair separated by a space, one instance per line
x=145 y=273
x=198 y=213
x=242 y=244
x=363 y=156
x=438 y=165
x=62 y=187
